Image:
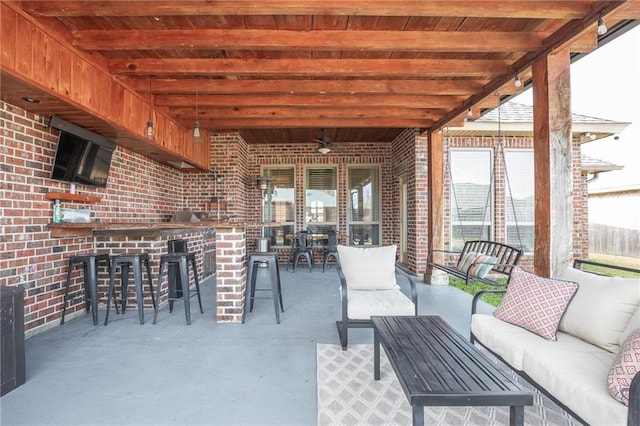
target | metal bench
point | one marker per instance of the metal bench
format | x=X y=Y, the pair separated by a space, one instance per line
x=507 y=257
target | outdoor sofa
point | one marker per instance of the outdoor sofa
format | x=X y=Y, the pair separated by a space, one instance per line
x=597 y=325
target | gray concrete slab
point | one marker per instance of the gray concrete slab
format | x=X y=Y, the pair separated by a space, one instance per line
x=208 y=373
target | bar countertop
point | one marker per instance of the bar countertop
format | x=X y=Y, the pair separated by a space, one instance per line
x=59 y=230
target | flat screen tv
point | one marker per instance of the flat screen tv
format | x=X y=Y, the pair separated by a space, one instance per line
x=82 y=156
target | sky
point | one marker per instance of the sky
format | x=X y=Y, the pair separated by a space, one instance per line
x=606 y=84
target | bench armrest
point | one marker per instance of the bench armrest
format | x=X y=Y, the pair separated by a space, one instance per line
x=431 y=252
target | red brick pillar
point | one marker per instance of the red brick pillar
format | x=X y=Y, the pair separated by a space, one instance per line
x=231 y=273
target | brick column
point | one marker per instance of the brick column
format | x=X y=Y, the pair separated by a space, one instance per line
x=231 y=275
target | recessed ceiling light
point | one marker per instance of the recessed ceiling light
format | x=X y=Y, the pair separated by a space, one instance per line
x=31 y=100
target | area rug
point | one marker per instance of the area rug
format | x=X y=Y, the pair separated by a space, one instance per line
x=348 y=396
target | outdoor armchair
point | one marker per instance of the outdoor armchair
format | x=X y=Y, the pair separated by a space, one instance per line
x=368 y=287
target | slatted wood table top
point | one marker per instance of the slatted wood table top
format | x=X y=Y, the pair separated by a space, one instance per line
x=437 y=366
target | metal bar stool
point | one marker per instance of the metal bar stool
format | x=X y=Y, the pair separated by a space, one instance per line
x=125 y=261
x=89 y=264
x=182 y=261
x=271 y=260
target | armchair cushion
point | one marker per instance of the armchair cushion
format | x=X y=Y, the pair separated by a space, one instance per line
x=370 y=268
x=365 y=303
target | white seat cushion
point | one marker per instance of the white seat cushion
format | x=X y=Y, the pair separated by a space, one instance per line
x=365 y=303
x=579 y=380
x=511 y=342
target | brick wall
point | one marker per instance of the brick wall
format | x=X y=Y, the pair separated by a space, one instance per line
x=138 y=190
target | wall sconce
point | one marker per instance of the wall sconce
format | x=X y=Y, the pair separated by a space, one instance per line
x=262 y=183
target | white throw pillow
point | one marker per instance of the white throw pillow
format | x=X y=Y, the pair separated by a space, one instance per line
x=601 y=309
x=369 y=268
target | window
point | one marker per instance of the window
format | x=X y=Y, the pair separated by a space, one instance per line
x=519 y=198
x=471 y=206
x=321 y=199
x=364 y=205
x=278 y=204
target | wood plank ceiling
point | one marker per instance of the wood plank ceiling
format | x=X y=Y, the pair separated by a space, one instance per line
x=283 y=70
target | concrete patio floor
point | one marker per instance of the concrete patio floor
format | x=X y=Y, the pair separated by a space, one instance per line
x=208 y=373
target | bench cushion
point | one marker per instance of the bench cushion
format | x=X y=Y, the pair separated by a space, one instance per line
x=601 y=308
x=535 y=303
x=481 y=265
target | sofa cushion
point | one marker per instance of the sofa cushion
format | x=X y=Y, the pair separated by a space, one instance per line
x=578 y=378
x=369 y=268
x=535 y=303
x=364 y=303
x=510 y=342
x=625 y=368
x=601 y=308
x=634 y=323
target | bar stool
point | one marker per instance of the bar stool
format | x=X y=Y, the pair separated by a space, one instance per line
x=89 y=264
x=270 y=259
x=134 y=261
x=182 y=261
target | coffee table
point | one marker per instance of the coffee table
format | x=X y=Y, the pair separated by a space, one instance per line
x=437 y=366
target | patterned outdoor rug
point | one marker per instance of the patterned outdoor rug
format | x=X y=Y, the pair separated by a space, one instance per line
x=348 y=395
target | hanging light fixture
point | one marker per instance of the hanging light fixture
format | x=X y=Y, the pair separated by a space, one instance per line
x=517 y=82
x=149 y=132
x=602 y=28
x=197 y=137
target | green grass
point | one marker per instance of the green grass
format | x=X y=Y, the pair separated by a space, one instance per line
x=474 y=287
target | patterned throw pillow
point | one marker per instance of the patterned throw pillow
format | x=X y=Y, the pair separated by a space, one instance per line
x=625 y=368
x=466 y=260
x=481 y=265
x=535 y=303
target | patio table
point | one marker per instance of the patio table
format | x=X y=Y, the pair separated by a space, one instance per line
x=437 y=366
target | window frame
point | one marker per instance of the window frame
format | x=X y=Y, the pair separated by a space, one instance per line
x=508 y=207
x=267 y=230
x=349 y=205
x=325 y=225
x=491 y=222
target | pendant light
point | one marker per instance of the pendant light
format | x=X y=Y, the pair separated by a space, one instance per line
x=197 y=137
x=149 y=132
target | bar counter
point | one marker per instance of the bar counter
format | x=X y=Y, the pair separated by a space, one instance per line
x=62 y=230
x=221 y=249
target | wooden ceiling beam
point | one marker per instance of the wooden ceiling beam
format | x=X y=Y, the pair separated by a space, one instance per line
x=249 y=112
x=422 y=68
x=464 y=8
x=311 y=122
x=331 y=40
x=334 y=101
x=224 y=86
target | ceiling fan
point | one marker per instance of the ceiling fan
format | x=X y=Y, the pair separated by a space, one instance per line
x=324 y=143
